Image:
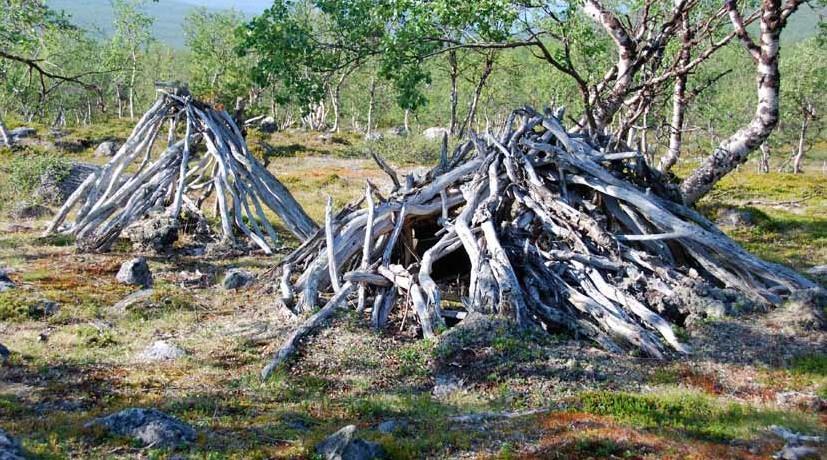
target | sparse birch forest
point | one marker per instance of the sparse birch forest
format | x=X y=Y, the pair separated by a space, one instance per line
x=404 y=229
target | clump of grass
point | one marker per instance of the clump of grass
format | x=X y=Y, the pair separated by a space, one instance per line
x=92 y=336
x=812 y=364
x=414 y=358
x=693 y=413
x=14 y=306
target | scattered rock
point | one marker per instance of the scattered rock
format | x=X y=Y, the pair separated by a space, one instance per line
x=325 y=138
x=798 y=453
x=237 y=278
x=107 y=149
x=268 y=125
x=194 y=279
x=27 y=210
x=21 y=133
x=734 y=217
x=435 y=133
x=800 y=401
x=5 y=282
x=392 y=426
x=160 y=351
x=4 y=354
x=131 y=300
x=297 y=422
x=44 y=308
x=55 y=187
x=818 y=270
x=342 y=445
x=806 y=309
x=10 y=448
x=156 y=233
x=149 y=426
x=135 y=272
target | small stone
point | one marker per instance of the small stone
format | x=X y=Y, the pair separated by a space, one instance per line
x=5 y=354
x=148 y=426
x=237 y=278
x=818 y=270
x=10 y=448
x=342 y=445
x=106 y=149
x=161 y=351
x=798 y=453
x=135 y=272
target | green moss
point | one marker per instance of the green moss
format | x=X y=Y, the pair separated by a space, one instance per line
x=694 y=414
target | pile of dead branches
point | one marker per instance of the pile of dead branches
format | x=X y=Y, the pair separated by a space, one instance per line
x=559 y=231
x=137 y=180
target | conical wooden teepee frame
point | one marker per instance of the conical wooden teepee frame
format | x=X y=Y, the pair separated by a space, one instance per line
x=110 y=200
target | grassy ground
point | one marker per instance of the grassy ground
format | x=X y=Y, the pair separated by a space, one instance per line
x=81 y=363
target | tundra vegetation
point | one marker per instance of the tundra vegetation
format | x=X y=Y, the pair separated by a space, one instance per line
x=497 y=229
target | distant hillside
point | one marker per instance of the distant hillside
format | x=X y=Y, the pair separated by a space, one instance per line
x=169 y=15
x=96 y=15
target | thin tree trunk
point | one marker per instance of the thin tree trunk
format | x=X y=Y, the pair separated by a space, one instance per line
x=454 y=74
x=472 y=109
x=735 y=150
x=132 y=86
x=764 y=165
x=4 y=134
x=368 y=131
x=678 y=102
x=802 y=136
x=119 y=95
x=407 y=125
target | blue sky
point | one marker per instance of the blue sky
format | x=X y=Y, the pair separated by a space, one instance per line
x=247 y=6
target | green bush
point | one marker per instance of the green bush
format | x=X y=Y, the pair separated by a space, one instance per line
x=25 y=171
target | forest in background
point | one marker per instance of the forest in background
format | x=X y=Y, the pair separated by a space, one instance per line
x=123 y=66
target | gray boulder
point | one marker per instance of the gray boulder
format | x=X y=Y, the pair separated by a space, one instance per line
x=435 y=133
x=155 y=233
x=148 y=426
x=392 y=426
x=5 y=354
x=21 y=133
x=398 y=131
x=135 y=272
x=237 y=278
x=107 y=149
x=734 y=217
x=5 y=282
x=342 y=445
x=44 y=308
x=10 y=448
x=55 y=188
x=806 y=309
x=798 y=453
x=27 y=210
x=131 y=300
x=161 y=351
x=818 y=270
x=268 y=125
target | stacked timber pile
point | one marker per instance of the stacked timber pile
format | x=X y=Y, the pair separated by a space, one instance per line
x=138 y=180
x=556 y=230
